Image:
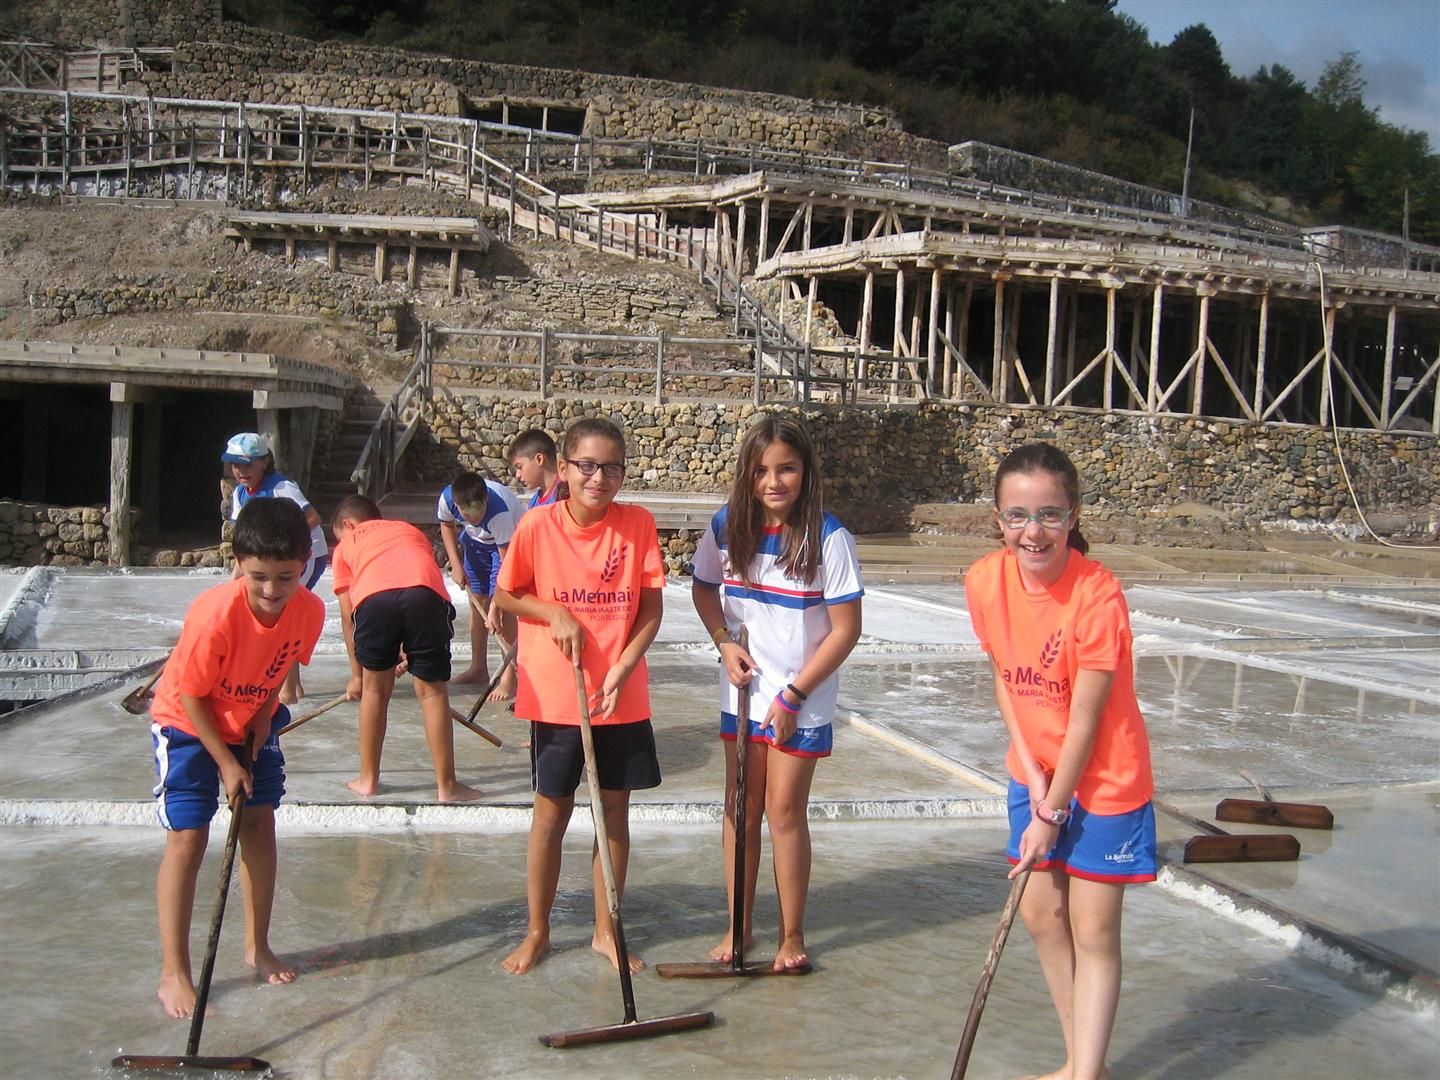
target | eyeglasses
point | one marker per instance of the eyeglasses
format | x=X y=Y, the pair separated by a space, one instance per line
x=613 y=470
x=1047 y=517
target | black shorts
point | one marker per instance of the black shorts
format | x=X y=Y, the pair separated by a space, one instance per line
x=417 y=620
x=624 y=757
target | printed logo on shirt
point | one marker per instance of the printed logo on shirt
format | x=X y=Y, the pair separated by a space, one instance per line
x=1030 y=682
x=287 y=652
x=612 y=564
x=1051 y=650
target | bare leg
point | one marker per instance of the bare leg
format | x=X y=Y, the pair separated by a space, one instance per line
x=616 y=807
x=505 y=688
x=787 y=798
x=257 y=880
x=175 y=902
x=290 y=689
x=479 y=669
x=434 y=698
x=542 y=878
x=1095 y=910
x=755 y=758
x=1045 y=909
x=375 y=690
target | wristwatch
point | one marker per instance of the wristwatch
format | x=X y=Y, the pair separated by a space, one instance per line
x=1052 y=817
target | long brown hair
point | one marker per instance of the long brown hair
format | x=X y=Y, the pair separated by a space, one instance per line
x=800 y=536
x=1044 y=458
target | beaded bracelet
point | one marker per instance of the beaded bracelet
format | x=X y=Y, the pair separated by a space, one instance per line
x=800 y=695
x=780 y=700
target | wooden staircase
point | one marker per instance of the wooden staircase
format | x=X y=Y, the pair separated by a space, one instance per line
x=330 y=472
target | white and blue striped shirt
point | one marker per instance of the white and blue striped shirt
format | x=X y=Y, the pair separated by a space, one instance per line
x=787 y=619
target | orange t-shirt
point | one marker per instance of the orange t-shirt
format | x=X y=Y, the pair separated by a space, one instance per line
x=230 y=659
x=597 y=573
x=1040 y=642
x=376 y=556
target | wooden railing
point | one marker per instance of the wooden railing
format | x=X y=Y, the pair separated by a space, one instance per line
x=374 y=472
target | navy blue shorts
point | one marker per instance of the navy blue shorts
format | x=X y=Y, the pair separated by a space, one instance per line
x=188 y=793
x=417 y=619
x=1097 y=847
x=482 y=565
x=625 y=758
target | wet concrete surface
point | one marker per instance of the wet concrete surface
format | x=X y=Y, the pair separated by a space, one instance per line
x=399 y=910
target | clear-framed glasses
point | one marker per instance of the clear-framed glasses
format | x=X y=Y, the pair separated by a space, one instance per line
x=1047 y=517
x=613 y=470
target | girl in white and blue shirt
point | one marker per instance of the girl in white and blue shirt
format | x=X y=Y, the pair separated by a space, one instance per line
x=775 y=562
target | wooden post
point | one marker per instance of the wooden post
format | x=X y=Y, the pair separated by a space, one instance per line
x=544 y=362
x=1261 y=352
x=740 y=241
x=810 y=298
x=380 y=262
x=898 y=331
x=849 y=234
x=1388 y=376
x=1202 y=335
x=867 y=314
x=933 y=345
x=1052 y=332
x=332 y=256
x=1000 y=374
x=763 y=244
x=454 y=284
x=1109 y=387
x=412 y=268
x=122 y=427
x=809 y=217
x=1157 y=305
x=1326 y=419
x=759 y=359
x=660 y=368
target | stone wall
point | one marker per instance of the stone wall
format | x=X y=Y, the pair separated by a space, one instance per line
x=116 y=22
x=35 y=534
x=293 y=70
x=880 y=461
x=224 y=291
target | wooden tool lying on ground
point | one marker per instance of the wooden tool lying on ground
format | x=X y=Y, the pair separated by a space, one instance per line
x=1266 y=811
x=630 y=1027
x=736 y=965
x=987 y=975
x=1220 y=846
x=191 y=1058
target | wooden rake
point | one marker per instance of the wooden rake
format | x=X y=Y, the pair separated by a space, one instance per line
x=631 y=1027
x=191 y=1059
x=736 y=967
x=1220 y=846
x=987 y=975
x=1266 y=811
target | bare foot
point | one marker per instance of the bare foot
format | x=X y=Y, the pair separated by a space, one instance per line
x=177 y=994
x=505 y=688
x=366 y=788
x=529 y=953
x=270 y=968
x=606 y=948
x=458 y=792
x=472 y=675
x=791 y=955
x=724 y=953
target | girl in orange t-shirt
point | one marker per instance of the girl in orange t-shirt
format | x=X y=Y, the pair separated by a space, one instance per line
x=1057 y=629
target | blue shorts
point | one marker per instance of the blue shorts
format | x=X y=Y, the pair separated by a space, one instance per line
x=188 y=793
x=806 y=742
x=482 y=565
x=314 y=569
x=1097 y=847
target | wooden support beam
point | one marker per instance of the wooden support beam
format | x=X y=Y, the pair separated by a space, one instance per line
x=762 y=248
x=1108 y=390
x=932 y=343
x=454 y=280
x=810 y=299
x=1261 y=352
x=412 y=268
x=867 y=315
x=1000 y=372
x=740 y=241
x=1388 y=371
x=380 y=262
x=122 y=427
x=1202 y=339
x=1051 y=340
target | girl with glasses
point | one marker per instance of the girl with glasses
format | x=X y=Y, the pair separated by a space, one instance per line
x=1057 y=628
x=775 y=562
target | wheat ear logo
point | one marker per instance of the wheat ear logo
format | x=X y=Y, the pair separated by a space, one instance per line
x=612 y=564
x=1051 y=649
x=282 y=658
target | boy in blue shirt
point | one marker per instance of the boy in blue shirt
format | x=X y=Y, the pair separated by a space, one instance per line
x=477 y=518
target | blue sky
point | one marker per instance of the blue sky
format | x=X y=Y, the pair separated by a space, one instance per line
x=1397 y=42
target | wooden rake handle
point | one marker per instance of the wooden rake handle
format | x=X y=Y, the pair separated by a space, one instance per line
x=987 y=975
x=337 y=700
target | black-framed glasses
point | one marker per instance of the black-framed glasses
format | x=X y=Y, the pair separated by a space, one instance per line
x=1047 y=517
x=613 y=470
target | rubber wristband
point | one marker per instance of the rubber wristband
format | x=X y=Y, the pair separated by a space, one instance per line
x=799 y=694
x=780 y=700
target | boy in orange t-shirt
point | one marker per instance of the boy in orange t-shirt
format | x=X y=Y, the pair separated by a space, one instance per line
x=392 y=601
x=584 y=576
x=217 y=697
